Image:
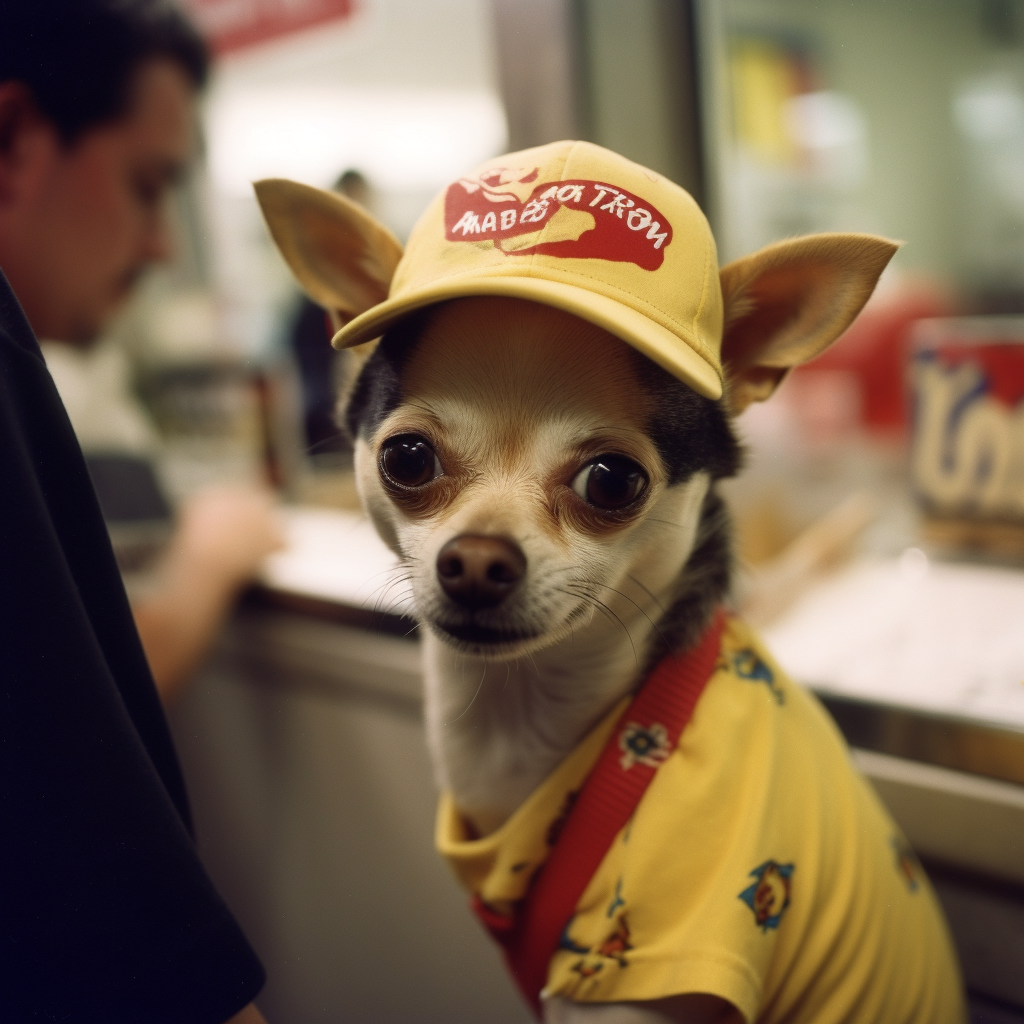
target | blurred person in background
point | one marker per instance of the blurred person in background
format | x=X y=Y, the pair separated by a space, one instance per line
x=108 y=913
x=83 y=216
x=317 y=362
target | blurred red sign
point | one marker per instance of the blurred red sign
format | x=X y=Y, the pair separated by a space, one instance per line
x=234 y=24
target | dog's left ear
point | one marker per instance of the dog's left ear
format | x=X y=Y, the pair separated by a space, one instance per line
x=788 y=302
x=342 y=257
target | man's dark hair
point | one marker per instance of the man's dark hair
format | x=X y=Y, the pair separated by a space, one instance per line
x=79 y=57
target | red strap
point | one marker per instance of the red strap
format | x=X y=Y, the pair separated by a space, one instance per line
x=644 y=736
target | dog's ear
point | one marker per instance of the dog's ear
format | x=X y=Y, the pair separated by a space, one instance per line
x=341 y=256
x=788 y=302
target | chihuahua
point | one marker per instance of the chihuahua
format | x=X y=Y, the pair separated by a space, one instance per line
x=538 y=435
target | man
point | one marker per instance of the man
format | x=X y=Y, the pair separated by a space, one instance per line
x=107 y=914
x=82 y=191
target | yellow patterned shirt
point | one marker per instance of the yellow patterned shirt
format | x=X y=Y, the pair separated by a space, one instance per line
x=758 y=866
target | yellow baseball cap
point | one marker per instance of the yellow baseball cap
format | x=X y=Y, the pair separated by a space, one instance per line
x=577 y=227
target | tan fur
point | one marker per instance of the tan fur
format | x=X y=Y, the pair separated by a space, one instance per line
x=343 y=258
x=510 y=364
x=786 y=303
x=486 y=373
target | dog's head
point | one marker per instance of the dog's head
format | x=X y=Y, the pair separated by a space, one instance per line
x=532 y=469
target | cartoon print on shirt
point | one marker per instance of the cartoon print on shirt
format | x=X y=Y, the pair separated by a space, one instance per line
x=768 y=895
x=586 y=968
x=647 y=745
x=748 y=665
x=617 y=900
x=593 y=961
x=567 y=942
x=617 y=944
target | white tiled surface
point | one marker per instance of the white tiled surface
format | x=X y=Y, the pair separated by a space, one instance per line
x=943 y=637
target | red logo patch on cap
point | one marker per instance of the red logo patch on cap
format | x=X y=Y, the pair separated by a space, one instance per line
x=585 y=219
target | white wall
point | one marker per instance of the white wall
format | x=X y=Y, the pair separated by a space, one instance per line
x=405 y=92
x=903 y=64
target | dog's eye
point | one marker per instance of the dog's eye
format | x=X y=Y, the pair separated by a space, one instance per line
x=409 y=461
x=610 y=482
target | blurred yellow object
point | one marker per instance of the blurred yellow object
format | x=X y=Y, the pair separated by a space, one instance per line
x=764 y=78
x=775 y=585
x=762 y=527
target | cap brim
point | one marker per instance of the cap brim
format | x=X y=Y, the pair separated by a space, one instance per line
x=662 y=346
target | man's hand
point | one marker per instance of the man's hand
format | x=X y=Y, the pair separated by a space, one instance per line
x=225 y=533
x=222 y=537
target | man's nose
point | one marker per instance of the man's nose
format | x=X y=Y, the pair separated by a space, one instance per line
x=158 y=241
x=479 y=571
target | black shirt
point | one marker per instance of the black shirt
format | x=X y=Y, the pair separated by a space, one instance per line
x=106 y=914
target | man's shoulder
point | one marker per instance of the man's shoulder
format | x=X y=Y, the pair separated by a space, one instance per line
x=15 y=331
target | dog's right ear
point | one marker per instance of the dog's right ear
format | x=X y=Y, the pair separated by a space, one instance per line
x=342 y=257
x=788 y=302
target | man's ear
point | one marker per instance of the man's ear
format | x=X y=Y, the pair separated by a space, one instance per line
x=27 y=139
x=342 y=257
x=788 y=302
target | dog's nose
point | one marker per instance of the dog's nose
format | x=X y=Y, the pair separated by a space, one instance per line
x=480 y=572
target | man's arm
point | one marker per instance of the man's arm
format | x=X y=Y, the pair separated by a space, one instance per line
x=222 y=537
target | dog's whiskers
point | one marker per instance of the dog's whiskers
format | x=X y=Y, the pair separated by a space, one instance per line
x=605 y=610
x=400 y=568
x=649 y=593
x=386 y=588
x=654 y=625
x=533 y=662
x=475 y=695
x=626 y=597
x=404 y=564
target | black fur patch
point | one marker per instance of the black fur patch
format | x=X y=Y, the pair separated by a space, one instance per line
x=703 y=586
x=378 y=388
x=691 y=432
